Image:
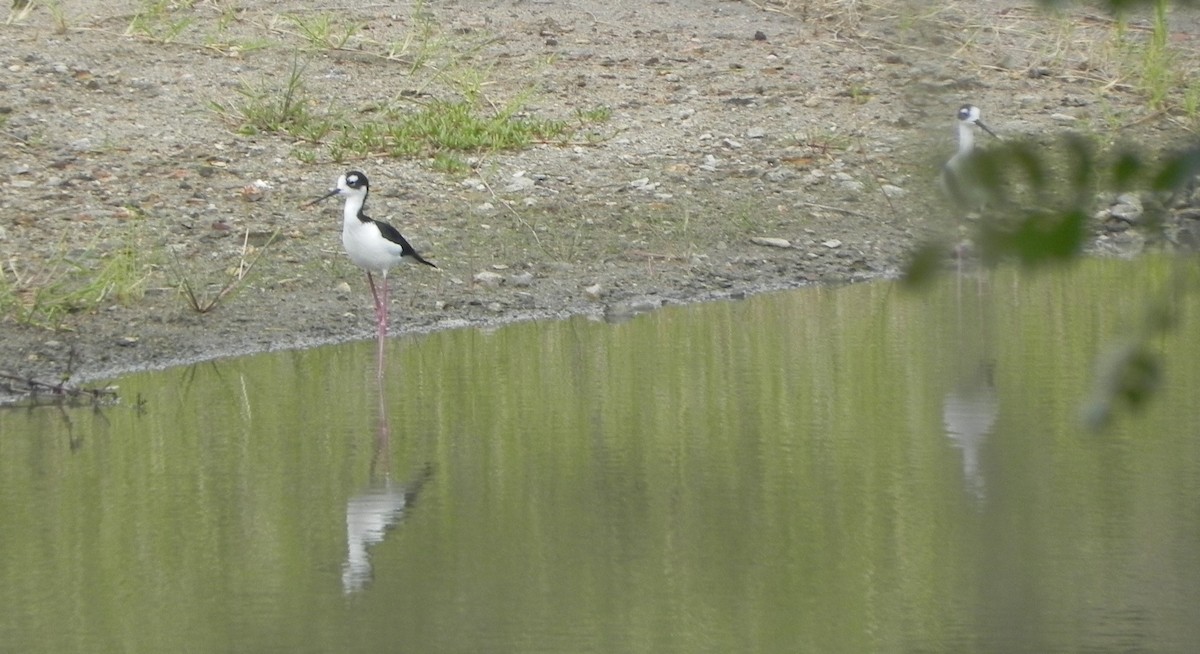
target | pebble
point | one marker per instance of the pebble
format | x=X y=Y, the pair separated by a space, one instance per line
x=594 y=291
x=771 y=241
x=643 y=184
x=779 y=175
x=1128 y=208
x=488 y=279
x=520 y=182
x=622 y=311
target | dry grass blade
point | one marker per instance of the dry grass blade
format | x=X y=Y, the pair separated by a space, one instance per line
x=204 y=304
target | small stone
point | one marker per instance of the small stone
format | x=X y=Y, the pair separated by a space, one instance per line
x=127 y=341
x=756 y=133
x=771 y=241
x=520 y=182
x=779 y=175
x=832 y=243
x=594 y=291
x=525 y=300
x=522 y=280
x=488 y=279
x=892 y=191
x=760 y=36
x=643 y=184
x=1128 y=208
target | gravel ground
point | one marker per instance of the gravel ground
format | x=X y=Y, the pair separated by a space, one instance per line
x=750 y=146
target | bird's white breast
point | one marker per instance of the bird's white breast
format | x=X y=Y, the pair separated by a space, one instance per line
x=366 y=246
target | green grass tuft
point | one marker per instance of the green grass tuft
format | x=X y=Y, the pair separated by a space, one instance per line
x=435 y=129
x=75 y=281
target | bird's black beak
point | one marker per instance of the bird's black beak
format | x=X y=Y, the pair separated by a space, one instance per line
x=329 y=194
x=982 y=127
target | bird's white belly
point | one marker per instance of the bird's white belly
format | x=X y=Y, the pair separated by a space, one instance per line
x=367 y=248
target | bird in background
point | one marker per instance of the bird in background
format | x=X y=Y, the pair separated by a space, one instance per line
x=954 y=178
x=372 y=245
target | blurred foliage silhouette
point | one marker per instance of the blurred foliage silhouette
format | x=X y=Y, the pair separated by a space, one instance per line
x=1033 y=204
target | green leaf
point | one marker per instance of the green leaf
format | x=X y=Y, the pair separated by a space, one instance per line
x=923 y=265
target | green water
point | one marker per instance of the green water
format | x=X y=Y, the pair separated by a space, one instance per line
x=849 y=470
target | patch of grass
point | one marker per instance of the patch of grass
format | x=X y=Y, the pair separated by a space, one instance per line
x=156 y=20
x=277 y=110
x=459 y=119
x=75 y=281
x=435 y=129
x=19 y=11
x=202 y=302
x=442 y=126
x=422 y=47
x=1147 y=62
x=450 y=164
x=594 y=115
x=1158 y=69
x=59 y=17
x=323 y=31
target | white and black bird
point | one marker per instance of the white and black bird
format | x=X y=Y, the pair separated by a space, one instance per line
x=955 y=179
x=373 y=245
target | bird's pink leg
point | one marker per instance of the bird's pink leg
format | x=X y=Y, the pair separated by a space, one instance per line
x=380 y=306
x=383 y=321
x=371 y=281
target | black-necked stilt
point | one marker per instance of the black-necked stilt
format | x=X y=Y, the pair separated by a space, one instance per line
x=372 y=245
x=953 y=178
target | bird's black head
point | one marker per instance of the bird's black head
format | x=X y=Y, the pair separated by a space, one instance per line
x=356 y=180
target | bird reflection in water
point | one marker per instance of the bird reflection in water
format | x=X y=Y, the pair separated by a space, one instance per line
x=969 y=412
x=376 y=511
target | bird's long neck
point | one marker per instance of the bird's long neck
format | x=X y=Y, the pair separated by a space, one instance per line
x=966 y=138
x=354 y=209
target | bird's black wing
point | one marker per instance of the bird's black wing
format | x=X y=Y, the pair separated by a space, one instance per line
x=392 y=234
